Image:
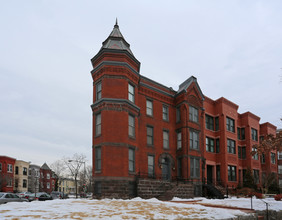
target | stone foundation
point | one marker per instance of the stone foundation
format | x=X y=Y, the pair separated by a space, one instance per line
x=150 y=188
x=144 y=188
x=118 y=189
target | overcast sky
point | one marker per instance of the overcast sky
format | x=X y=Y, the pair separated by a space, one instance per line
x=234 y=48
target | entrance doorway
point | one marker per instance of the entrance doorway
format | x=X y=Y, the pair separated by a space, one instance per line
x=209 y=174
x=165 y=168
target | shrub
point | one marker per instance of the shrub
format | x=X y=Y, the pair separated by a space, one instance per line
x=258 y=195
x=246 y=192
x=278 y=197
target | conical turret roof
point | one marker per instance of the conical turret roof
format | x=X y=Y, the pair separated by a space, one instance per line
x=116 y=41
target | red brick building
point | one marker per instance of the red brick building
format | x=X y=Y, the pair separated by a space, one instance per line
x=149 y=140
x=7 y=173
x=47 y=179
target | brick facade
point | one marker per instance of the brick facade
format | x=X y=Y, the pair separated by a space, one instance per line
x=7 y=166
x=146 y=135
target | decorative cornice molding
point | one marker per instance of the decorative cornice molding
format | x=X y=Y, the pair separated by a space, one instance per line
x=115 y=101
x=114 y=63
x=156 y=89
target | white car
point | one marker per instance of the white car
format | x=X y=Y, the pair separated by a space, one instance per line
x=10 y=197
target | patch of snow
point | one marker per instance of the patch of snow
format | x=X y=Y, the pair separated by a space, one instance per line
x=131 y=208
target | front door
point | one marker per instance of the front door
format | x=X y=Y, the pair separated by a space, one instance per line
x=166 y=168
x=209 y=174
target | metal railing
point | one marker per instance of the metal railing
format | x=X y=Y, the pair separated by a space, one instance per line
x=266 y=204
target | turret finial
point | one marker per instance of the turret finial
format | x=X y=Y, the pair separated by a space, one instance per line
x=116 y=25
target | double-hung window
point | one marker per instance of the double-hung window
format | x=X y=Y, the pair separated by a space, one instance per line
x=165 y=139
x=131 y=160
x=24 y=183
x=194 y=139
x=25 y=171
x=165 y=113
x=179 y=140
x=149 y=107
x=9 y=168
x=98 y=159
x=194 y=167
x=98 y=90
x=230 y=124
x=241 y=133
x=151 y=166
x=150 y=135
x=254 y=134
x=209 y=144
x=131 y=93
x=193 y=114
x=209 y=122
x=231 y=148
x=231 y=173
x=131 y=126
x=98 y=124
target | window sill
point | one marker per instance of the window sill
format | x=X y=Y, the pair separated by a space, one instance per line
x=99 y=135
x=196 y=122
x=98 y=171
x=210 y=152
x=194 y=149
x=232 y=132
x=131 y=137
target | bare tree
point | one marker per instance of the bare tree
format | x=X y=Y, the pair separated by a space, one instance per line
x=74 y=164
x=59 y=168
x=89 y=178
x=85 y=179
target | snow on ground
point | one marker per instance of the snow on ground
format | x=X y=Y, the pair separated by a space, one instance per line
x=136 y=208
x=258 y=204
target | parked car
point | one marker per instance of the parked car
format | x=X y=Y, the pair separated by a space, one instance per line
x=10 y=197
x=59 y=195
x=23 y=194
x=40 y=196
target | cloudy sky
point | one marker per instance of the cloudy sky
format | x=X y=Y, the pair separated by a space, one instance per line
x=234 y=48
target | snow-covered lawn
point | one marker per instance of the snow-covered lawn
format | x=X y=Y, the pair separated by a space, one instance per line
x=128 y=209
